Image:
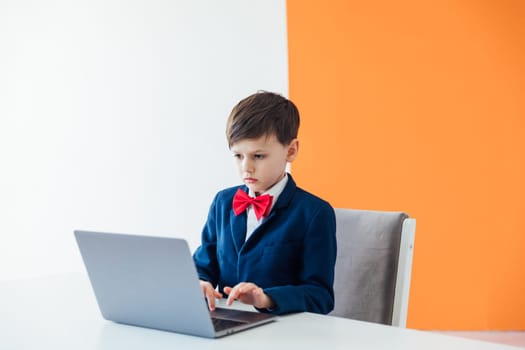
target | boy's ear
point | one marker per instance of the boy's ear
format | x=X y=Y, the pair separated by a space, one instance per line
x=293 y=149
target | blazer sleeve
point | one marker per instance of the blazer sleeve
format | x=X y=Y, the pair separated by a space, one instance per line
x=205 y=256
x=315 y=291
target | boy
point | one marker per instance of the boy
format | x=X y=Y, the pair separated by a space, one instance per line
x=276 y=252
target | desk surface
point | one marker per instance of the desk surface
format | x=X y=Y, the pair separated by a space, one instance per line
x=61 y=313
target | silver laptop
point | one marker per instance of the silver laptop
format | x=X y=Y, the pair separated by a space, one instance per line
x=152 y=282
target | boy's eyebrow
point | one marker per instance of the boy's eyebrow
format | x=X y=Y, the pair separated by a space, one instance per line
x=255 y=151
x=261 y=149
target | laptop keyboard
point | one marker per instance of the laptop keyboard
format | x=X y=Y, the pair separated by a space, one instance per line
x=221 y=324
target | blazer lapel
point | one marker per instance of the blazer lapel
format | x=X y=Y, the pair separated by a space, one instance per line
x=254 y=237
x=238 y=230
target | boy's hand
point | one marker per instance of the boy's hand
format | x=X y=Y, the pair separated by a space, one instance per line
x=210 y=293
x=249 y=293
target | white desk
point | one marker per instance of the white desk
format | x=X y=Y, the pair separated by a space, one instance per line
x=61 y=313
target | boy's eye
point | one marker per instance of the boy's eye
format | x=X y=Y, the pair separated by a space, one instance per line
x=258 y=156
x=237 y=155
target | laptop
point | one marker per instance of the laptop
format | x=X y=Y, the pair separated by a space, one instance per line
x=152 y=282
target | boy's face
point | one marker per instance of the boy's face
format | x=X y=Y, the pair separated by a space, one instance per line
x=262 y=162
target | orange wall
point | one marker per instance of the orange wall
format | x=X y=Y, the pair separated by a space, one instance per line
x=420 y=106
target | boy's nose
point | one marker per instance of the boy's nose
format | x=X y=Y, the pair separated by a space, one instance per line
x=247 y=165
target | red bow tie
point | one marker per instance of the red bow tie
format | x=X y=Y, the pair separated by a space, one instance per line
x=261 y=204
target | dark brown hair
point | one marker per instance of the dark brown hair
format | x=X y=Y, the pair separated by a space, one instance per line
x=263 y=113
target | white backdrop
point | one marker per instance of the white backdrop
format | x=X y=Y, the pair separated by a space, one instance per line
x=112 y=116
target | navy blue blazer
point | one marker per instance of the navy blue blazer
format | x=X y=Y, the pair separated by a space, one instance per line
x=291 y=255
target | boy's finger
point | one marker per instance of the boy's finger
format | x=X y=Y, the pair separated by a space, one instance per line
x=211 y=303
x=234 y=294
x=210 y=296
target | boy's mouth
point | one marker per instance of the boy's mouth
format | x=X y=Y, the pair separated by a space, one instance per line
x=250 y=180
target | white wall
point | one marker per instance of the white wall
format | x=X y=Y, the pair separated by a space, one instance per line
x=112 y=116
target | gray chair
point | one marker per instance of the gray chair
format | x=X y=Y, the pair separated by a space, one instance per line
x=374 y=264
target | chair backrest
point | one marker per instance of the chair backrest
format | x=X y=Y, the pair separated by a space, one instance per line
x=374 y=264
